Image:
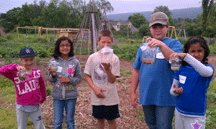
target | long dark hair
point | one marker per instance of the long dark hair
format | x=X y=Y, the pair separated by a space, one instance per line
x=56 y=49
x=203 y=44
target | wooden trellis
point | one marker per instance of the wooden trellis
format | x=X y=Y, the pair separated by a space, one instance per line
x=89 y=28
x=173 y=31
x=40 y=29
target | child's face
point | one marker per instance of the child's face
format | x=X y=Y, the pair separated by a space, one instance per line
x=197 y=51
x=159 y=31
x=105 y=41
x=64 y=47
x=27 y=62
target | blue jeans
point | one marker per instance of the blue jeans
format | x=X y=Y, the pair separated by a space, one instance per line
x=59 y=106
x=158 y=117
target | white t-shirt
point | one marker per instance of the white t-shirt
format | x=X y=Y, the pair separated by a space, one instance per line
x=111 y=95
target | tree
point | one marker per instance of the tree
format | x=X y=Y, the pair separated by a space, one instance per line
x=106 y=4
x=137 y=19
x=144 y=30
x=9 y=20
x=211 y=26
x=24 y=16
x=42 y=3
x=190 y=29
x=166 y=10
x=55 y=2
x=206 y=6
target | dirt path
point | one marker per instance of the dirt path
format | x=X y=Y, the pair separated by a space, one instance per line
x=131 y=118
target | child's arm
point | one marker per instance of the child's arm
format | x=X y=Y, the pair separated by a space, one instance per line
x=174 y=90
x=98 y=91
x=42 y=88
x=134 y=85
x=204 y=71
x=111 y=77
x=163 y=47
x=7 y=69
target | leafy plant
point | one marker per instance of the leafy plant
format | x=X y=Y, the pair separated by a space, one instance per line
x=48 y=90
x=2 y=39
x=37 y=60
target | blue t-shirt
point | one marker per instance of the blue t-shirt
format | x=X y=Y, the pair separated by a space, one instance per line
x=155 y=80
x=193 y=100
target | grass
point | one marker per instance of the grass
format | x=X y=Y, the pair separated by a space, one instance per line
x=7 y=109
x=125 y=73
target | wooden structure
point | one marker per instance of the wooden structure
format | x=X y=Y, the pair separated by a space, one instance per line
x=70 y=34
x=2 y=32
x=89 y=29
x=173 y=31
x=182 y=29
x=38 y=30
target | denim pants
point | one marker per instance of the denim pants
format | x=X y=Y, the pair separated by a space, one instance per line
x=158 y=117
x=59 y=106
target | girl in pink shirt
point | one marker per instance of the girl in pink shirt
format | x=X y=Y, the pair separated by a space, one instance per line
x=30 y=88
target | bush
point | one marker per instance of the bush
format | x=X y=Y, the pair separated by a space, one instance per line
x=48 y=90
x=2 y=39
x=127 y=52
x=10 y=37
x=182 y=40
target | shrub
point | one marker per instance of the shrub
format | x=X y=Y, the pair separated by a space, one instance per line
x=2 y=39
x=10 y=37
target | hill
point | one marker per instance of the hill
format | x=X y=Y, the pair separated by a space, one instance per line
x=176 y=13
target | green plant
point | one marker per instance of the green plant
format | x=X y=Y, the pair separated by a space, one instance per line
x=29 y=122
x=2 y=39
x=8 y=60
x=48 y=90
x=125 y=73
x=37 y=60
x=10 y=37
x=120 y=80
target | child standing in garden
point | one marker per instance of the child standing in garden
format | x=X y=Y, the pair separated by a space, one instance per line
x=155 y=80
x=30 y=88
x=101 y=77
x=65 y=78
x=190 y=84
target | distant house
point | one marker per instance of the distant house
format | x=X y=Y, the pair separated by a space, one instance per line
x=116 y=25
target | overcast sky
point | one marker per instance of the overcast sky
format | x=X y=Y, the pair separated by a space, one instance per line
x=120 y=6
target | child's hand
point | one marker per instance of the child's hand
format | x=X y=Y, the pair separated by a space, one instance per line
x=20 y=68
x=106 y=65
x=154 y=42
x=53 y=73
x=180 y=55
x=98 y=92
x=177 y=90
x=63 y=79
x=134 y=100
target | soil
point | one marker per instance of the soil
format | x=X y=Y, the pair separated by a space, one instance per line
x=131 y=118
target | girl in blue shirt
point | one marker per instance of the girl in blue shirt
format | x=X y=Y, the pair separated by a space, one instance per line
x=190 y=85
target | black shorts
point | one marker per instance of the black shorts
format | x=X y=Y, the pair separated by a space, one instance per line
x=107 y=112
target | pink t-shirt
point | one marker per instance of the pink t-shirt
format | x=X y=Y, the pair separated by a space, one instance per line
x=32 y=90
